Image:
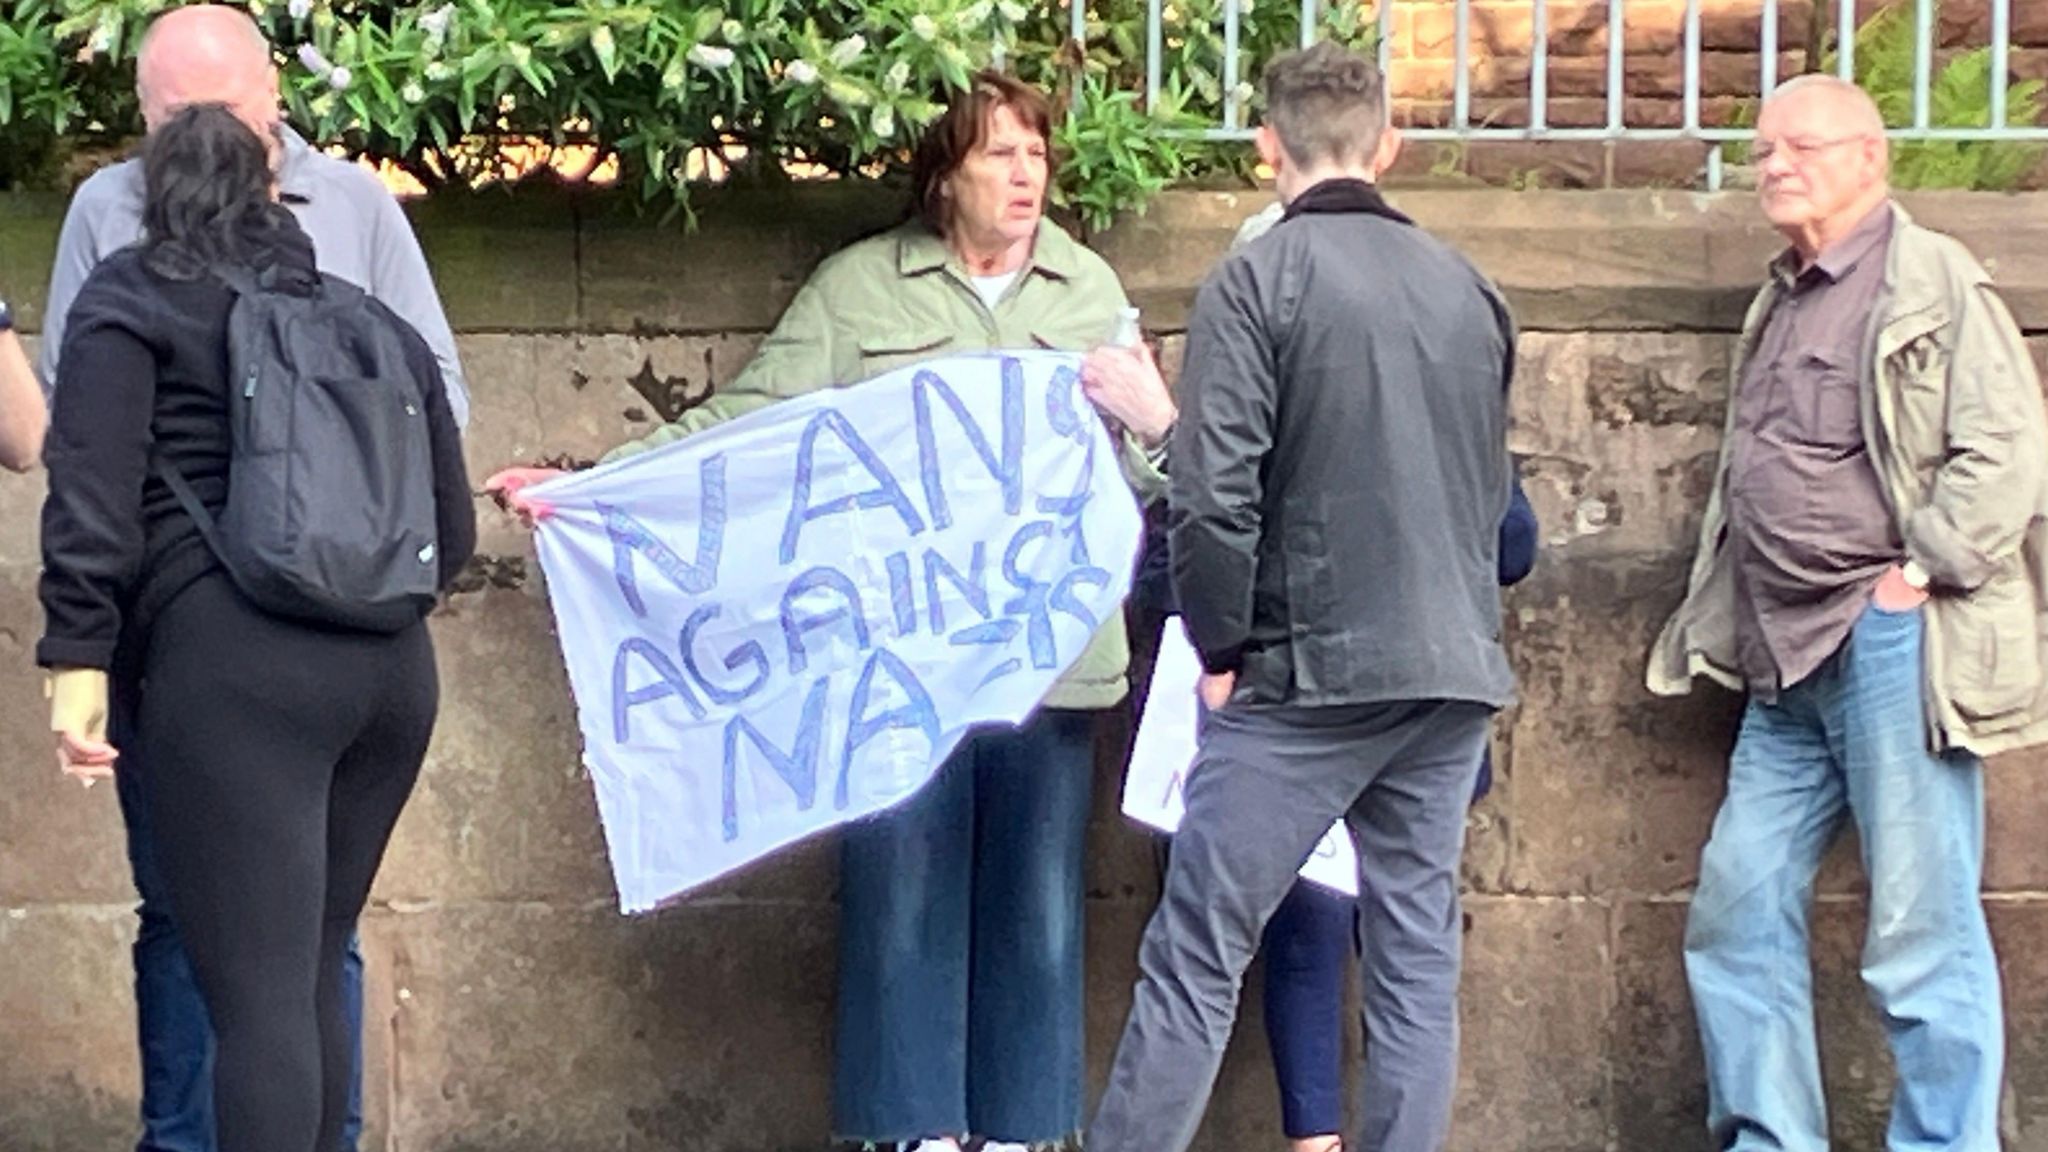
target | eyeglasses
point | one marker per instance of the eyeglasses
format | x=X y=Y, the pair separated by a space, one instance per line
x=1798 y=150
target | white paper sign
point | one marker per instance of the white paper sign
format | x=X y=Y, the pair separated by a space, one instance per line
x=1165 y=749
x=786 y=622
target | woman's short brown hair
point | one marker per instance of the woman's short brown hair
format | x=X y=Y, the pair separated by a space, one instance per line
x=964 y=126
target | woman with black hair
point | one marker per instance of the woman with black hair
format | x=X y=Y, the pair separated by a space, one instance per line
x=281 y=749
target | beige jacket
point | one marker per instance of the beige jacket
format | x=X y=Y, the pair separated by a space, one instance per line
x=1954 y=420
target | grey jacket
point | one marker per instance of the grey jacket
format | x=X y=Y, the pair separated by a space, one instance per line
x=1340 y=470
x=359 y=232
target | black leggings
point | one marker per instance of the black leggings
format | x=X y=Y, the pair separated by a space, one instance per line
x=277 y=758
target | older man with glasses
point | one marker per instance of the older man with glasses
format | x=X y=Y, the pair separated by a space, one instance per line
x=1870 y=571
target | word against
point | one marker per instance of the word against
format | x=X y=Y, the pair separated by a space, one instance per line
x=1164 y=751
x=787 y=621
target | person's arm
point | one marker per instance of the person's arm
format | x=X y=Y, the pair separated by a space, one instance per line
x=454 y=506
x=1517 y=535
x=400 y=278
x=796 y=358
x=24 y=417
x=98 y=221
x=1986 y=489
x=1228 y=396
x=98 y=457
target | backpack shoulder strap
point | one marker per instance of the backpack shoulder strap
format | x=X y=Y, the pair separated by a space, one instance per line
x=189 y=501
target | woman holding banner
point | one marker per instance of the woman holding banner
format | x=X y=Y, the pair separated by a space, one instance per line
x=960 y=996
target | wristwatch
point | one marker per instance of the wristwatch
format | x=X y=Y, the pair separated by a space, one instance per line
x=6 y=317
x=1916 y=576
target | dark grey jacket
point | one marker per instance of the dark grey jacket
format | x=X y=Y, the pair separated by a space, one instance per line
x=1340 y=471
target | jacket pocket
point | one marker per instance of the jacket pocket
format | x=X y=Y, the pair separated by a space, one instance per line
x=1917 y=379
x=1992 y=652
x=886 y=352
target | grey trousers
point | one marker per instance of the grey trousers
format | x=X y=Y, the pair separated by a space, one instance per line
x=1266 y=785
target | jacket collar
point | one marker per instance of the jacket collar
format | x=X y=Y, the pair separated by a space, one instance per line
x=1343 y=196
x=295 y=182
x=920 y=250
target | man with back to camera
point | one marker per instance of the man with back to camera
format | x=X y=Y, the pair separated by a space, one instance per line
x=1339 y=476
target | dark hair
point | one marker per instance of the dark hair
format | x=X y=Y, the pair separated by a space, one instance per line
x=1327 y=104
x=946 y=144
x=206 y=178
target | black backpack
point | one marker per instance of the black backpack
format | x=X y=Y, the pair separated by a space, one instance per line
x=330 y=514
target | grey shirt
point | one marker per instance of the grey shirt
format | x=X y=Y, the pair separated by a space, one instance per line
x=359 y=234
x=1808 y=520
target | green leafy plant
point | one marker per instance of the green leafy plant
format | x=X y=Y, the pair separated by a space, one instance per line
x=662 y=95
x=1959 y=96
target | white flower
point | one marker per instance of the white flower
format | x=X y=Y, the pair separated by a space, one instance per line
x=299 y=9
x=899 y=75
x=801 y=72
x=926 y=28
x=440 y=71
x=1243 y=93
x=314 y=62
x=673 y=77
x=885 y=122
x=733 y=31
x=435 y=23
x=412 y=93
x=1015 y=12
x=339 y=79
x=711 y=56
x=976 y=14
x=102 y=40
x=848 y=50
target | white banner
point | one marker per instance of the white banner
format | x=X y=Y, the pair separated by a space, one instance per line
x=786 y=622
x=1164 y=751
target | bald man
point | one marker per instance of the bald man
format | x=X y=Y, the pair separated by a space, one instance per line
x=210 y=54
x=1869 y=571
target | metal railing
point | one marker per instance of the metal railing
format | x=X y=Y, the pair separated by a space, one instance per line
x=1233 y=122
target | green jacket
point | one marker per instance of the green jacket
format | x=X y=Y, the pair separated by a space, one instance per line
x=901 y=297
x=1953 y=416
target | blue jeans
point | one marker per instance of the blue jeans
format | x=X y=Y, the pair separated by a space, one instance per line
x=1848 y=741
x=173 y=1031
x=960 y=945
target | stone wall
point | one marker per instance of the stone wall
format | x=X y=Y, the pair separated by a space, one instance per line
x=512 y=1009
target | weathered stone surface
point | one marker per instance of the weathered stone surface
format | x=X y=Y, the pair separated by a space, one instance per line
x=60 y=844
x=736 y=273
x=1660 y=1093
x=67 y=1062
x=1609 y=790
x=1619 y=433
x=1535 y=1048
x=503 y=263
x=502 y=810
x=526 y=1028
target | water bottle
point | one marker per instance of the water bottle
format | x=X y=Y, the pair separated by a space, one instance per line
x=1126 y=334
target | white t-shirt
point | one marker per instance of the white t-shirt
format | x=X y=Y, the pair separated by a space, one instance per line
x=991 y=288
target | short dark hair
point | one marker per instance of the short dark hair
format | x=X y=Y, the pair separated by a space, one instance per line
x=206 y=194
x=1327 y=104
x=961 y=129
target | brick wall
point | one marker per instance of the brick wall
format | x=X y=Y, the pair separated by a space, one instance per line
x=1424 y=72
